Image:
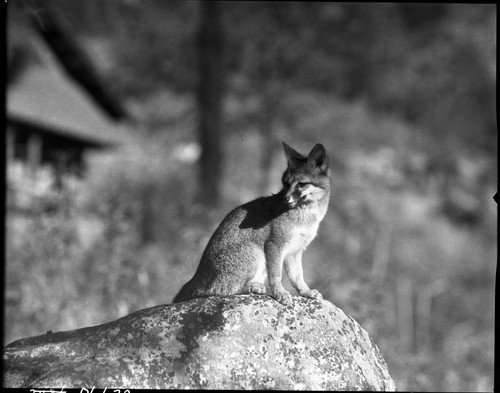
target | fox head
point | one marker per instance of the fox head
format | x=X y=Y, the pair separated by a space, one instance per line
x=306 y=179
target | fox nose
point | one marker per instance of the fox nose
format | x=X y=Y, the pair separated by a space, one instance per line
x=289 y=199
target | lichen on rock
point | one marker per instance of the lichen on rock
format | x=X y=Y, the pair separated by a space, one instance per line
x=233 y=342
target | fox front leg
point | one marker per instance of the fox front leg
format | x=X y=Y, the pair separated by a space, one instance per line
x=274 y=264
x=293 y=267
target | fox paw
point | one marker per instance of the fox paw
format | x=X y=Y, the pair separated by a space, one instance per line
x=256 y=287
x=284 y=297
x=312 y=294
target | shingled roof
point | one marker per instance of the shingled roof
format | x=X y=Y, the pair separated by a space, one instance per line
x=59 y=37
x=45 y=98
x=47 y=95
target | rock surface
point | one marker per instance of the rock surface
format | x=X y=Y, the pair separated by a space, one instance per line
x=245 y=341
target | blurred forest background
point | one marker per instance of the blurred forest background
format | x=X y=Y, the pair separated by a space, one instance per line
x=403 y=96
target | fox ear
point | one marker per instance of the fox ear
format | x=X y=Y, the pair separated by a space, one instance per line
x=291 y=154
x=318 y=158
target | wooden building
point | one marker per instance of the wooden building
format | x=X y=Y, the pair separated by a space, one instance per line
x=57 y=108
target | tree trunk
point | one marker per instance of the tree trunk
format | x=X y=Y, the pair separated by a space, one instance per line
x=210 y=95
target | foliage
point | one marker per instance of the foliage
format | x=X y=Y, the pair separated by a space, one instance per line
x=90 y=250
x=430 y=64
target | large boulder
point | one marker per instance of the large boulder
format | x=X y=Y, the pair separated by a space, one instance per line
x=245 y=341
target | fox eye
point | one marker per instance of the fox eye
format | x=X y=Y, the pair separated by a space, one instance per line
x=301 y=184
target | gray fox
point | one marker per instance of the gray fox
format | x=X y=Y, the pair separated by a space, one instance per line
x=255 y=240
